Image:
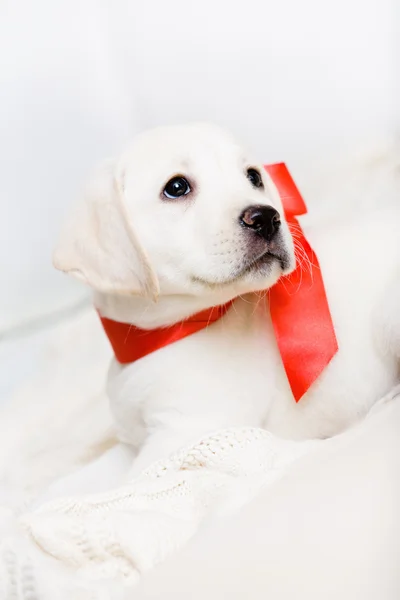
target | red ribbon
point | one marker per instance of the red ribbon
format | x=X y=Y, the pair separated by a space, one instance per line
x=131 y=343
x=299 y=307
x=298 y=304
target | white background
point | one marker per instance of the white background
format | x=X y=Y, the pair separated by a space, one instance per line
x=296 y=79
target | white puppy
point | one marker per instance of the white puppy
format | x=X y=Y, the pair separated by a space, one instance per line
x=173 y=227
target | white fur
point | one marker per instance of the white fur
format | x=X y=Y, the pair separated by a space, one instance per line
x=153 y=262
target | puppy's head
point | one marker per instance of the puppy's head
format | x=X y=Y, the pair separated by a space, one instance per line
x=183 y=211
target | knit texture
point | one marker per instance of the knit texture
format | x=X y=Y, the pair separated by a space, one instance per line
x=96 y=546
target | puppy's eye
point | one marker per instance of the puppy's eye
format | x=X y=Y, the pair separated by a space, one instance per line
x=255 y=178
x=176 y=188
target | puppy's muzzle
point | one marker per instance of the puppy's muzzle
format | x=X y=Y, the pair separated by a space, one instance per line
x=263 y=220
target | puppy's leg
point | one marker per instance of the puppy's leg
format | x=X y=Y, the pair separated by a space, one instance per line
x=103 y=474
x=161 y=444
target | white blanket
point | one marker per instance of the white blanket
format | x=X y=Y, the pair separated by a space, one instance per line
x=117 y=535
x=92 y=533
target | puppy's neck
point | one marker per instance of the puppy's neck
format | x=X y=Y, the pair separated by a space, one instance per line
x=148 y=314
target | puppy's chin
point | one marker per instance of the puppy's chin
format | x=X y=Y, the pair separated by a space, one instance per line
x=258 y=275
x=264 y=273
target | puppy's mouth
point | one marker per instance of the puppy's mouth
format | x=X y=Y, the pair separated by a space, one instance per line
x=265 y=262
x=260 y=266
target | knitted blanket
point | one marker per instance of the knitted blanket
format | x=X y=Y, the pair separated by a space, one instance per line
x=96 y=546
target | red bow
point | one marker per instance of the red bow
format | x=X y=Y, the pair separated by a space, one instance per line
x=298 y=304
x=299 y=307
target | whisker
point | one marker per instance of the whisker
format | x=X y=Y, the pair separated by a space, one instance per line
x=244 y=299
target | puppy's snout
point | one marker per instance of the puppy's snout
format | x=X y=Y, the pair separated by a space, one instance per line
x=264 y=220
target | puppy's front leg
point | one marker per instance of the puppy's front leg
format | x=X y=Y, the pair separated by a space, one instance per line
x=160 y=445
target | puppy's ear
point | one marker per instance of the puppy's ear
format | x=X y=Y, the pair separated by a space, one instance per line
x=98 y=244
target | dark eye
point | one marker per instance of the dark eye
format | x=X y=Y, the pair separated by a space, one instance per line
x=255 y=178
x=176 y=188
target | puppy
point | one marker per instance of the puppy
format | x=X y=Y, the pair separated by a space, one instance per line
x=167 y=230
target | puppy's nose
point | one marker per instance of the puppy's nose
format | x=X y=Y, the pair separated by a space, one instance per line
x=265 y=220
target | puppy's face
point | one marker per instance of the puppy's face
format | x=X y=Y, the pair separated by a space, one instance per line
x=207 y=215
x=183 y=211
